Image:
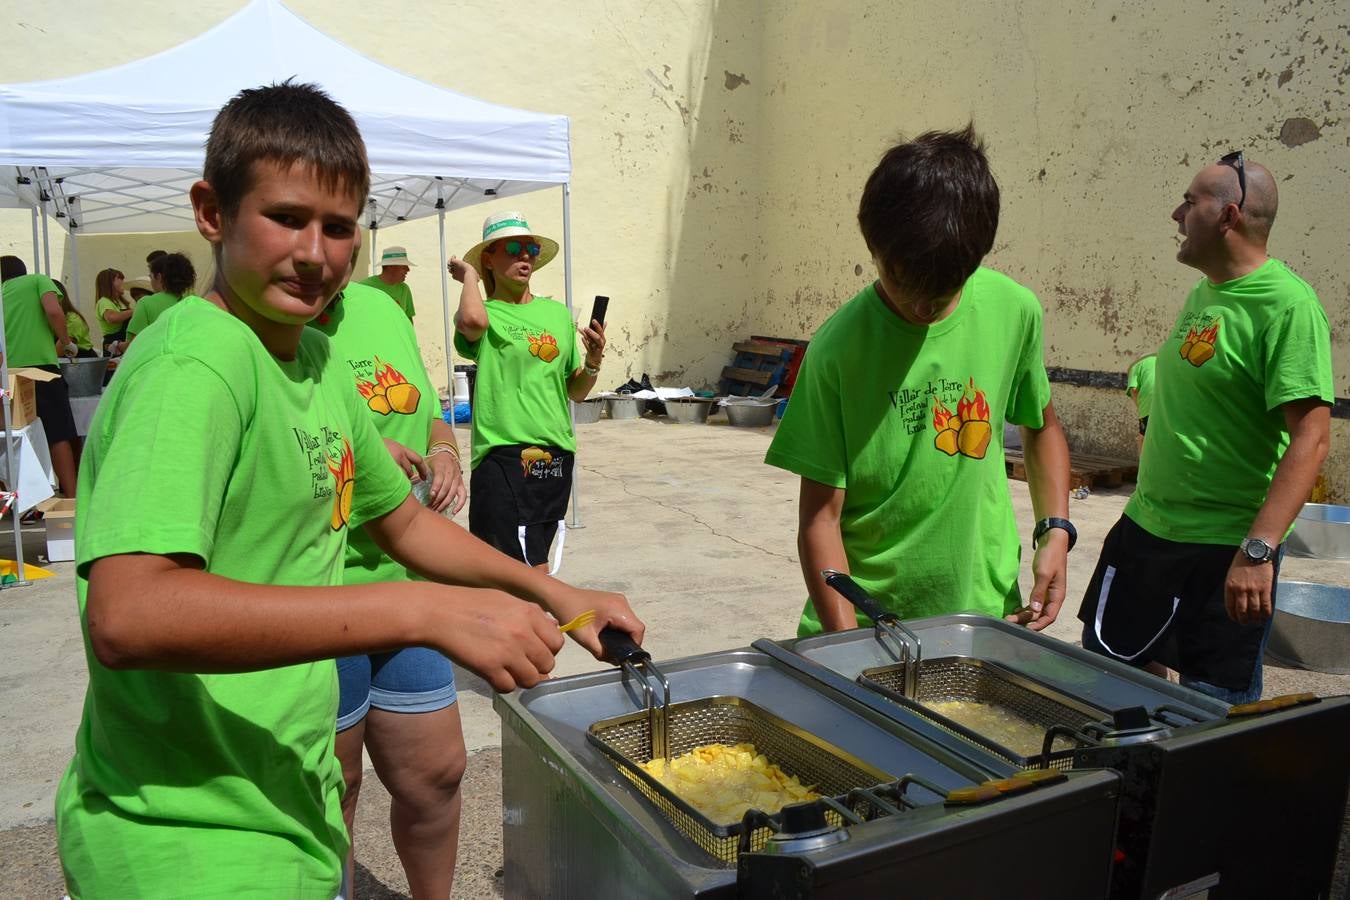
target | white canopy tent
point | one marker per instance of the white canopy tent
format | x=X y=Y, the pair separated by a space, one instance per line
x=116 y=150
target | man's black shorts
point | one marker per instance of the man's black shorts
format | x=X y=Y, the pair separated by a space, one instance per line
x=518 y=496
x=53 y=408
x=1152 y=599
x=1143 y=425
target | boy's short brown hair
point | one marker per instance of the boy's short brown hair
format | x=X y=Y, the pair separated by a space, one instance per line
x=929 y=212
x=285 y=124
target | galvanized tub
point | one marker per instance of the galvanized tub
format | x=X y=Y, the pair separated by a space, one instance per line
x=84 y=377
x=689 y=410
x=1321 y=531
x=1312 y=627
x=588 y=411
x=750 y=415
x=625 y=407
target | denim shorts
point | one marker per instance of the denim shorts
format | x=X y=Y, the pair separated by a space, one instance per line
x=412 y=680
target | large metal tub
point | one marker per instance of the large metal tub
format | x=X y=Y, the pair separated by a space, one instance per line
x=1321 y=531
x=1312 y=627
x=84 y=376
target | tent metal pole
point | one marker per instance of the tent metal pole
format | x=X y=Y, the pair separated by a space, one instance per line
x=11 y=449
x=567 y=295
x=445 y=311
x=37 y=247
x=46 y=242
x=74 y=266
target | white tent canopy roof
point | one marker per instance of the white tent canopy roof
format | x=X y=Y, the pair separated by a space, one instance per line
x=116 y=150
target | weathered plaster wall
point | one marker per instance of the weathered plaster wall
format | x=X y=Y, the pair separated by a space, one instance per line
x=1096 y=116
x=664 y=105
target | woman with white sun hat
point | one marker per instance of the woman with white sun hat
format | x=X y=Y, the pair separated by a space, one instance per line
x=530 y=363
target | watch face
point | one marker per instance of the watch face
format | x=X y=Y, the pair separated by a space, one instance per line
x=1257 y=549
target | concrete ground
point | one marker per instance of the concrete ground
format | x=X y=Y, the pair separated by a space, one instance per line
x=684 y=519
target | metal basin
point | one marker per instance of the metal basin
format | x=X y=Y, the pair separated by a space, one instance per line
x=689 y=410
x=1312 y=627
x=625 y=407
x=84 y=377
x=750 y=415
x=588 y=411
x=1321 y=531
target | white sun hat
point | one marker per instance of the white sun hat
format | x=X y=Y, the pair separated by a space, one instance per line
x=395 y=256
x=500 y=226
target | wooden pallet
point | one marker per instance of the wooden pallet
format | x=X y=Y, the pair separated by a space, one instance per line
x=1085 y=470
x=755 y=367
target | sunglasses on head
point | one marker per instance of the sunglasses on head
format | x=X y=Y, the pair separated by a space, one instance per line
x=1235 y=160
x=513 y=248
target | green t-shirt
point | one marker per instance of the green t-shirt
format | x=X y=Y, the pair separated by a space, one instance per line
x=78 y=330
x=1238 y=351
x=217 y=785
x=401 y=293
x=1140 y=380
x=148 y=310
x=908 y=419
x=28 y=334
x=524 y=361
x=392 y=385
x=107 y=305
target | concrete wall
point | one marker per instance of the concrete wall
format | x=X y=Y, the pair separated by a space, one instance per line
x=1096 y=115
x=720 y=146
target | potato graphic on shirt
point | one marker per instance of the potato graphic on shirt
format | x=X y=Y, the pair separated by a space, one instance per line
x=544 y=346
x=390 y=392
x=967 y=431
x=1198 y=347
x=344 y=483
x=531 y=455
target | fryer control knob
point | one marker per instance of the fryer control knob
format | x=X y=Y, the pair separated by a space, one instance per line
x=1133 y=726
x=1130 y=718
x=803 y=818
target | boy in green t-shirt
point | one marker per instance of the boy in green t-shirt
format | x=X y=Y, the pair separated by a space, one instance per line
x=896 y=419
x=209 y=573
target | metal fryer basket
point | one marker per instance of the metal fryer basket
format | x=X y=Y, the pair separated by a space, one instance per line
x=976 y=680
x=825 y=768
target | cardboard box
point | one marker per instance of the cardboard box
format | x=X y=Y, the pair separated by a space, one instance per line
x=59 y=518
x=22 y=387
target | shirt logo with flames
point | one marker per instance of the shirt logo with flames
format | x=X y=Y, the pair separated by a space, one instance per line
x=544 y=346
x=344 y=482
x=390 y=392
x=1198 y=348
x=966 y=432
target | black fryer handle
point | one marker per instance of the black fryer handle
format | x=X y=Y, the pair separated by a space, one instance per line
x=620 y=647
x=853 y=593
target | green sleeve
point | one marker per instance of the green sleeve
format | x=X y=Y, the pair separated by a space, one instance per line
x=1297 y=351
x=47 y=286
x=169 y=443
x=466 y=348
x=810 y=439
x=1030 y=391
x=408 y=304
x=137 y=323
x=103 y=307
x=1132 y=377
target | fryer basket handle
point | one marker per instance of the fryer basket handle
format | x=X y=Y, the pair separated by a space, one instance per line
x=851 y=591
x=620 y=647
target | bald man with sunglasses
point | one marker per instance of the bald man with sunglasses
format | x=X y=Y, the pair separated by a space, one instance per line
x=1239 y=426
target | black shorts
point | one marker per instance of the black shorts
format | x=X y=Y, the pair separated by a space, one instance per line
x=1143 y=425
x=518 y=498
x=53 y=408
x=1154 y=600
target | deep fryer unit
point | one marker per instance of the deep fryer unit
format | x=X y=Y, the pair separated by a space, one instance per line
x=578 y=823
x=1197 y=785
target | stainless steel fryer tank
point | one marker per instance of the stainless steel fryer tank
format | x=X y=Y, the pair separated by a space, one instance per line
x=575 y=826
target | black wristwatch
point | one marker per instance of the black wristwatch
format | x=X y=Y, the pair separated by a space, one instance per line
x=1257 y=550
x=1045 y=525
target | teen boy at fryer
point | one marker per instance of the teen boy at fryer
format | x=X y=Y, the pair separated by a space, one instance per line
x=210 y=571
x=896 y=419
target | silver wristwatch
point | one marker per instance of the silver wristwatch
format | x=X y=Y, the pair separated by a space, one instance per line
x=1257 y=550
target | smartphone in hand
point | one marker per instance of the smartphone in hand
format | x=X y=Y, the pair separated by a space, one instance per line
x=598 y=310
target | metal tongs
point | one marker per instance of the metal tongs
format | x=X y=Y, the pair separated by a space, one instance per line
x=888 y=625
x=623 y=651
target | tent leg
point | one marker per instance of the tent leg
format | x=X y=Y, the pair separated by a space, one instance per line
x=37 y=246
x=11 y=450
x=46 y=244
x=445 y=313
x=567 y=295
x=74 y=268
x=374 y=250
